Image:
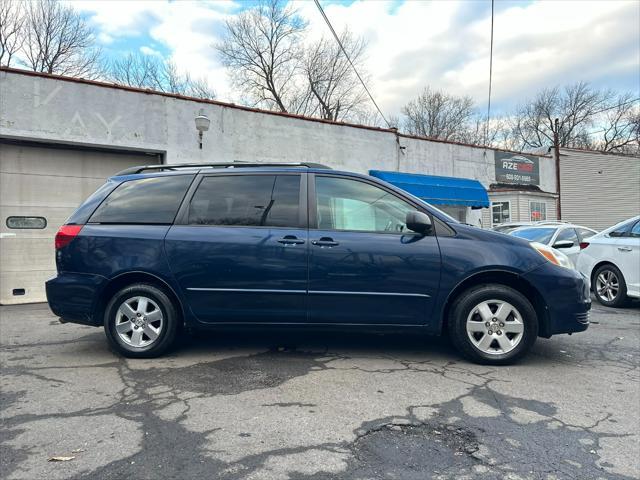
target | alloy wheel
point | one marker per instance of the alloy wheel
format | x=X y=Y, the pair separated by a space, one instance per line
x=607 y=285
x=495 y=327
x=139 y=321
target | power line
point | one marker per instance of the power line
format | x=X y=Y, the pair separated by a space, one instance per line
x=326 y=19
x=616 y=106
x=617 y=127
x=486 y=129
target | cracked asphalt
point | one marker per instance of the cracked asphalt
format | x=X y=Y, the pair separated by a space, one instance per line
x=316 y=405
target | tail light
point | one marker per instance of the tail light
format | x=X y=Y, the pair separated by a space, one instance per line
x=583 y=245
x=65 y=234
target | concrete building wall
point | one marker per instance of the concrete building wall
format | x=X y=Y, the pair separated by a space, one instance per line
x=598 y=189
x=72 y=112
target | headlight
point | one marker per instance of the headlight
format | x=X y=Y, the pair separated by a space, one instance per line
x=553 y=255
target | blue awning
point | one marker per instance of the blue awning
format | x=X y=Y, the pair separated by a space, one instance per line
x=438 y=190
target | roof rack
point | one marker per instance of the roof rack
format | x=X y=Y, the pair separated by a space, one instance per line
x=179 y=166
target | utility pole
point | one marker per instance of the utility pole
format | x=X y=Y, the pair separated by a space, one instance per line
x=556 y=148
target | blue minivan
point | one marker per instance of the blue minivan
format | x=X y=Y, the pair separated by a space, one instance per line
x=160 y=248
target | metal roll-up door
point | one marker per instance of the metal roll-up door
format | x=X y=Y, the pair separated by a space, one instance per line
x=41 y=186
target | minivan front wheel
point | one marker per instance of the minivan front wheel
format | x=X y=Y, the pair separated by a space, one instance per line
x=141 y=321
x=493 y=324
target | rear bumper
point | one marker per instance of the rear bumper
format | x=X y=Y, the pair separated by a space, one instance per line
x=567 y=297
x=73 y=297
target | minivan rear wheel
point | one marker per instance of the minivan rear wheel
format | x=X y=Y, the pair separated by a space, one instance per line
x=493 y=324
x=141 y=321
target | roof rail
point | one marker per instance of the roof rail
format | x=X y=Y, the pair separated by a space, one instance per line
x=179 y=166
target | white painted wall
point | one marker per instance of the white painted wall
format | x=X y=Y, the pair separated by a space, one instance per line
x=53 y=109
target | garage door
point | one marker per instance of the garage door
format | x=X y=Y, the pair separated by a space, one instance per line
x=40 y=187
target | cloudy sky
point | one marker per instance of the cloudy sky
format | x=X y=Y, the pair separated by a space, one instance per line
x=412 y=43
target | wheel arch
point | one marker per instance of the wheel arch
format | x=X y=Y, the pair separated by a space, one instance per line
x=128 y=278
x=507 y=279
x=602 y=263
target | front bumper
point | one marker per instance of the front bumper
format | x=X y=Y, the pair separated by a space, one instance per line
x=73 y=297
x=567 y=298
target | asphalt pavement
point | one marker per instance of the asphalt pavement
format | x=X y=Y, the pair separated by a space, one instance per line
x=316 y=405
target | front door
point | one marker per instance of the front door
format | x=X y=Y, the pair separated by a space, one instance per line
x=365 y=267
x=239 y=248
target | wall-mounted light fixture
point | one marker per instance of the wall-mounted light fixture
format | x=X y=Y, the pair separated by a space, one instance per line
x=202 y=125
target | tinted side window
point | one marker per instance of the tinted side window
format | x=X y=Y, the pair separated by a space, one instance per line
x=148 y=200
x=567 y=234
x=250 y=200
x=84 y=211
x=635 y=230
x=344 y=204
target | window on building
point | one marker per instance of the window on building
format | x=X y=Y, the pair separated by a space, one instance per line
x=247 y=200
x=21 y=223
x=538 y=211
x=344 y=204
x=149 y=200
x=500 y=212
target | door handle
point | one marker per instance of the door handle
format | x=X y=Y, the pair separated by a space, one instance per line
x=624 y=249
x=325 y=242
x=291 y=240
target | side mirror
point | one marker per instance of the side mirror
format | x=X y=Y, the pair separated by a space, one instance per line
x=563 y=244
x=418 y=222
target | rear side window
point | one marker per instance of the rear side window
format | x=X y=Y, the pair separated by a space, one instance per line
x=584 y=233
x=148 y=200
x=84 y=211
x=567 y=234
x=248 y=200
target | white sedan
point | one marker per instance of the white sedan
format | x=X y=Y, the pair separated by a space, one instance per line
x=565 y=237
x=611 y=259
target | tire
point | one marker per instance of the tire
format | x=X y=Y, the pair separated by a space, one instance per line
x=141 y=321
x=609 y=286
x=512 y=324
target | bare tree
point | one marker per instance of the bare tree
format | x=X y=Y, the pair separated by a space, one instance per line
x=575 y=106
x=200 y=88
x=261 y=49
x=335 y=89
x=58 y=40
x=135 y=70
x=147 y=71
x=12 y=21
x=620 y=126
x=496 y=134
x=436 y=114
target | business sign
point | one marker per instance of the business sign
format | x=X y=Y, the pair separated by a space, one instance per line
x=517 y=168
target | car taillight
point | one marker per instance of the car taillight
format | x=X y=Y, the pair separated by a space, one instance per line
x=66 y=234
x=583 y=245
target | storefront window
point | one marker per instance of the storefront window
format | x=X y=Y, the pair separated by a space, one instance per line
x=500 y=212
x=538 y=211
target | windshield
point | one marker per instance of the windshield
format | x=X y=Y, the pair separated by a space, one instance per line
x=540 y=235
